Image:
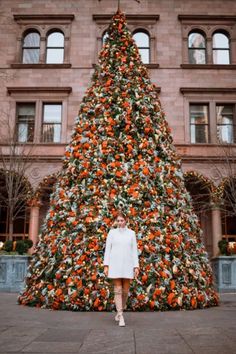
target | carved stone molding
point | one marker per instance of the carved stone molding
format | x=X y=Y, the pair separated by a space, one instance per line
x=43 y=18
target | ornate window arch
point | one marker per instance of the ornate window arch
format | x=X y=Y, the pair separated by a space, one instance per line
x=145 y=23
x=45 y=24
x=221 y=53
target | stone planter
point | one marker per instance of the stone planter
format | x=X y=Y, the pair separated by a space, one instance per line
x=224 y=268
x=13 y=269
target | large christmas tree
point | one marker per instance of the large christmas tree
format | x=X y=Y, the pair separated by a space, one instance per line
x=120 y=157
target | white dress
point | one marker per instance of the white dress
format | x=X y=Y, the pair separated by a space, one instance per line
x=121 y=253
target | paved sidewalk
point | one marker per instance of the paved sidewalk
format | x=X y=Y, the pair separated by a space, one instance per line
x=26 y=329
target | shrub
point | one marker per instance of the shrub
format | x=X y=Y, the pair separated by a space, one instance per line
x=223 y=246
x=29 y=243
x=21 y=247
x=8 y=246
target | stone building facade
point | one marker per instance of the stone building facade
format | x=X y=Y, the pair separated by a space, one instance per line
x=48 y=52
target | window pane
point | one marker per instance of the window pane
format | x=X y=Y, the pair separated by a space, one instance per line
x=104 y=37
x=199 y=114
x=51 y=133
x=220 y=40
x=144 y=55
x=26 y=110
x=225 y=114
x=32 y=40
x=57 y=133
x=25 y=132
x=25 y=122
x=220 y=56
x=196 y=40
x=55 y=56
x=225 y=128
x=55 y=39
x=197 y=56
x=142 y=39
x=52 y=113
x=30 y=56
x=225 y=133
x=199 y=133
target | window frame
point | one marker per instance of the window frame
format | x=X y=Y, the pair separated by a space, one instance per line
x=206 y=95
x=24 y=48
x=44 y=103
x=142 y=30
x=198 y=48
x=208 y=24
x=216 y=49
x=43 y=24
x=148 y=23
x=233 y=104
x=202 y=124
x=18 y=103
x=38 y=95
x=49 y=47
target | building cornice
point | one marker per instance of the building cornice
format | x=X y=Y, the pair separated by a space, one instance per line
x=42 y=18
x=209 y=66
x=40 y=66
x=215 y=18
x=106 y=18
x=24 y=89
x=207 y=90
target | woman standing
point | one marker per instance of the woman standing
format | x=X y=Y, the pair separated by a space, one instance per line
x=121 y=263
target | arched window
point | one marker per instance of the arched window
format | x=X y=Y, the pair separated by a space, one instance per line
x=220 y=43
x=196 y=48
x=142 y=40
x=55 y=48
x=31 y=48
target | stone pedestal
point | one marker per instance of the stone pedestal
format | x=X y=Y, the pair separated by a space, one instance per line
x=224 y=268
x=13 y=270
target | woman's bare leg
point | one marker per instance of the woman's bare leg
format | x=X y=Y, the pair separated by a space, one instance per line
x=117 y=281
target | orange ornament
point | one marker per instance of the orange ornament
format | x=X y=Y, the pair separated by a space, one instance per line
x=145 y=171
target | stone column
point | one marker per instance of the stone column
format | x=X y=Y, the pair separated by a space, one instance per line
x=209 y=54
x=42 y=55
x=34 y=222
x=216 y=229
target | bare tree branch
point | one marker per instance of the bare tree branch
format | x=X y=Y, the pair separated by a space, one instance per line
x=15 y=161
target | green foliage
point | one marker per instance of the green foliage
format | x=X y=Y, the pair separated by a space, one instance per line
x=21 y=247
x=223 y=246
x=29 y=243
x=8 y=246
